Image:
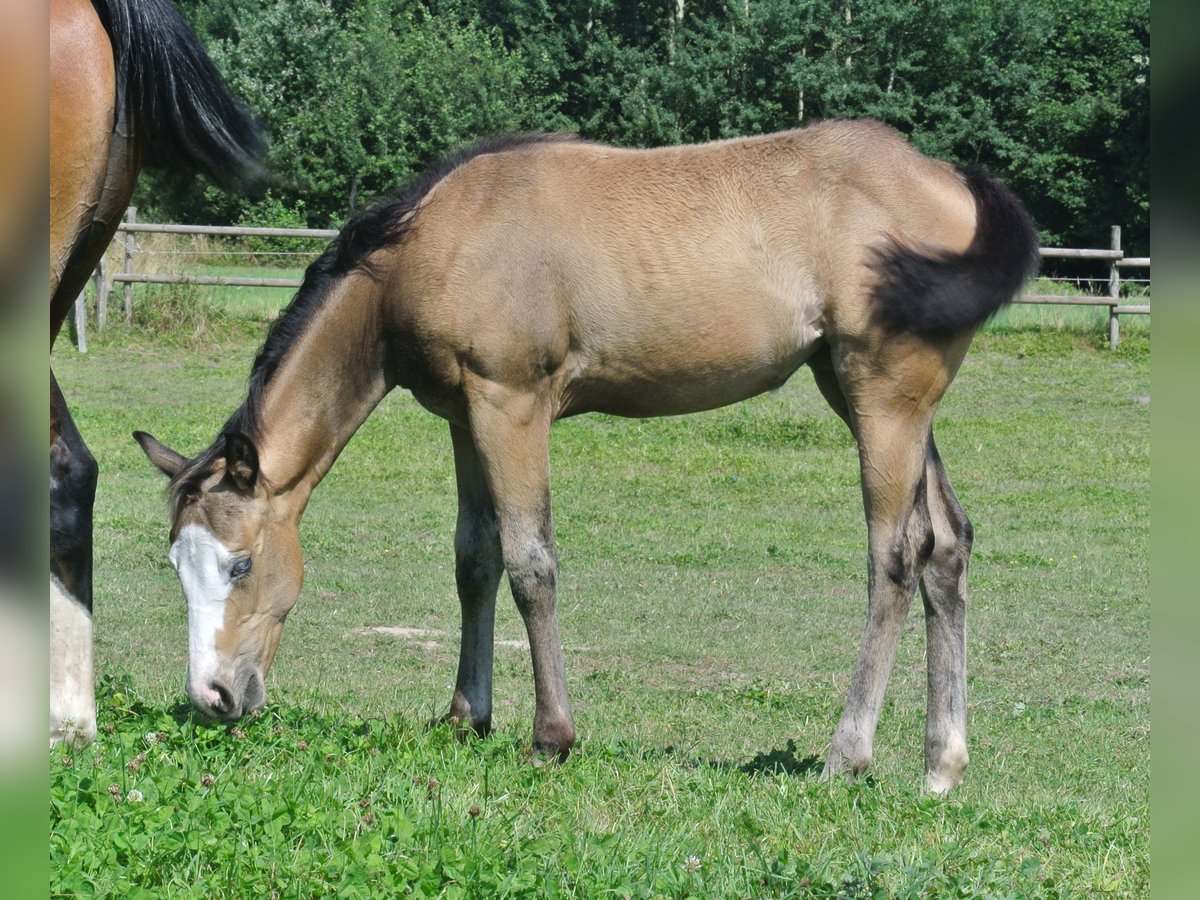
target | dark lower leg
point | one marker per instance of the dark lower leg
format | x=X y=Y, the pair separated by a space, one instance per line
x=471 y=704
x=478 y=566
x=73 y=474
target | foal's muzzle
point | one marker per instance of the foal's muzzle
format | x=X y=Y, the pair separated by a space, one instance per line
x=223 y=701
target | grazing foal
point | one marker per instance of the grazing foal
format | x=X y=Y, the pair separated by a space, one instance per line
x=532 y=278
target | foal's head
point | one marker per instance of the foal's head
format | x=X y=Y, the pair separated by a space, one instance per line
x=238 y=558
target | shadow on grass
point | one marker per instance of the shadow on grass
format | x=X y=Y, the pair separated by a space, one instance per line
x=782 y=761
x=182 y=712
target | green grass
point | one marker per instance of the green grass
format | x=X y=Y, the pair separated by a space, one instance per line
x=712 y=597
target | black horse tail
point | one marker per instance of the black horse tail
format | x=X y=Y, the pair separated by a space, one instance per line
x=937 y=295
x=174 y=96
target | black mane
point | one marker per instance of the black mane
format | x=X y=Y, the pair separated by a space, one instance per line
x=385 y=223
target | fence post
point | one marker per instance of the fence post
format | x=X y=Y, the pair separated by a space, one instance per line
x=100 y=280
x=81 y=321
x=1114 y=292
x=131 y=218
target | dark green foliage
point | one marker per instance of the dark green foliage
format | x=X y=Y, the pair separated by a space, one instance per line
x=359 y=95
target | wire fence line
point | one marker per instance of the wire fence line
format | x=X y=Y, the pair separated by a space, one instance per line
x=131 y=248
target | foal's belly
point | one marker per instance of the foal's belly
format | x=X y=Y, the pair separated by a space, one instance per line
x=647 y=398
x=673 y=371
x=691 y=331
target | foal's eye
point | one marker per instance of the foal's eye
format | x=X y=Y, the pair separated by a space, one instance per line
x=241 y=568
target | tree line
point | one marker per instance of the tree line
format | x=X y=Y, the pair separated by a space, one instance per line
x=359 y=95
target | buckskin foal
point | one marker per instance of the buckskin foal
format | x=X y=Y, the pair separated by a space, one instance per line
x=531 y=278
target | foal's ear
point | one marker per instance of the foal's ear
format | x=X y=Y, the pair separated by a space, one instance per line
x=241 y=460
x=164 y=458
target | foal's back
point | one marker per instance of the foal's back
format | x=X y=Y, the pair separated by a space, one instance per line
x=669 y=280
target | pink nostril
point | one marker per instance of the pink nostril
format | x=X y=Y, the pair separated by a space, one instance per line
x=219 y=698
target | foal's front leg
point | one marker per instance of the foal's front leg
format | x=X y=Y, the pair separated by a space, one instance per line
x=511 y=432
x=477 y=570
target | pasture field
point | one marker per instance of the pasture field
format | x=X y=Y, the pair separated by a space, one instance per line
x=713 y=592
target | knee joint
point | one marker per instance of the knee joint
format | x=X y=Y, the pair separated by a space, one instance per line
x=532 y=572
x=73 y=474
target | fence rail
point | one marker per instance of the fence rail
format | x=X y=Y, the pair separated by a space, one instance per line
x=1114 y=256
x=226 y=230
x=220 y=280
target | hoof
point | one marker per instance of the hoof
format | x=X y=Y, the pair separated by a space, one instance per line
x=848 y=763
x=941 y=784
x=549 y=755
x=464 y=727
x=552 y=744
x=947 y=772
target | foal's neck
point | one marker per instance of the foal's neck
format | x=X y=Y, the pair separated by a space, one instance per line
x=330 y=380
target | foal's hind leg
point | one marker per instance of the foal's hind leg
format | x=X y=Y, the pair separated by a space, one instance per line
x=888 y=395
x=944 y=591
x=511 y=431
x=477 y=570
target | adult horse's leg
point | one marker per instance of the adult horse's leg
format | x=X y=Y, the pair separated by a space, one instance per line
x=890 y=393
x=477 y=570
x=82 y=114
x=73 y=474
x=511 y=431
x=944 y=592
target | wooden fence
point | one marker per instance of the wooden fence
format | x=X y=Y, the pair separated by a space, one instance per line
x=1117 y=261
x=128 y=230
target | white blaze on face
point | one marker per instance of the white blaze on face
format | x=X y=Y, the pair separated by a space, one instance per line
x=203 y=564
x=72 y=688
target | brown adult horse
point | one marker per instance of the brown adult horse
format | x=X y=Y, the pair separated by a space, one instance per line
x=532 y=278
x=129 y=85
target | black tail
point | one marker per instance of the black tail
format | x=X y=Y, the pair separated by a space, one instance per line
x=175 y=96
x=943 y=294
